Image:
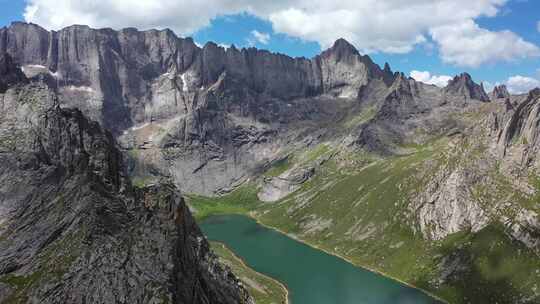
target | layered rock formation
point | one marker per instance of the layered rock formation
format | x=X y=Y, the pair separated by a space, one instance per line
x=72 y=227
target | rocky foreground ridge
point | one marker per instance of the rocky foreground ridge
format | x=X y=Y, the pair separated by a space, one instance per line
x=73 y=229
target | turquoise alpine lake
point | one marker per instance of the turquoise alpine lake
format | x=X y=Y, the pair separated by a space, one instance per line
x=312 y=276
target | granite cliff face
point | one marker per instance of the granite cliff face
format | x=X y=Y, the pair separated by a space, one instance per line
x=198 y=112
x=72 y=227
x=209 y=117
x=134 y=77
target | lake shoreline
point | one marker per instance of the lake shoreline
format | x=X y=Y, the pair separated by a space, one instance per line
x=250 y=215
x=243 y=262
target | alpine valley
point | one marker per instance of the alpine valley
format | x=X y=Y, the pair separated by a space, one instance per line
x=101 y=130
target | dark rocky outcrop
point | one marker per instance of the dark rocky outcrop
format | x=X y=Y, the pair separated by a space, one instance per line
x=72 y=227
x=465 y=86
x=9 y=73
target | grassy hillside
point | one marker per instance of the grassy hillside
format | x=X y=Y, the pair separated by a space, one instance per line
x=357 y=206
x=264 y=290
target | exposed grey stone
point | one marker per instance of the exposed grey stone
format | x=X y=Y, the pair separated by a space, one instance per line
x=74 y=230
x=464 y=85
x=446 y=206
x=500 y=92
x=276 y=188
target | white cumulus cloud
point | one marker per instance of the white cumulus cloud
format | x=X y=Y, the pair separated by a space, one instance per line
x=262 y=38
x=426 y=77
x=183 y=16
x=392 y=26
x=467 y=44
x=521 y=84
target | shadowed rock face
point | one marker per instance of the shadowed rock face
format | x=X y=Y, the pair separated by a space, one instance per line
x=74 y=230
x=9 y=73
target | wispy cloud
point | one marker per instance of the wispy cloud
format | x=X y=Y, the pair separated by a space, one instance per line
x=467 y=44
x=260 y=37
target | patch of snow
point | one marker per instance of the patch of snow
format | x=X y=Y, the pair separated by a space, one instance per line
x=81 y=88
x=346 y=94
x=36 y=66
x=30 y=70
x=139 y=126
x=184 y=83
x=56 y=74
x=135 y=128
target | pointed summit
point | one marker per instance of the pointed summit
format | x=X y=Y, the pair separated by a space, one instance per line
x=534 y=93
x=387 y=68
x=500 y=91
x=464 y=85
x=342 y=43
x=388 y=75
x=341 y=48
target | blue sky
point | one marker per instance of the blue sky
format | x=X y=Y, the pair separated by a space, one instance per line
x=502 y=37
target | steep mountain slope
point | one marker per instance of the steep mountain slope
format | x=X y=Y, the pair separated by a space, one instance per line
x=204 y=116
x=435 y=186
x=449 y=216
x=74 y=230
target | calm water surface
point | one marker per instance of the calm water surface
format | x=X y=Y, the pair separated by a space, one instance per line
x=311 y=276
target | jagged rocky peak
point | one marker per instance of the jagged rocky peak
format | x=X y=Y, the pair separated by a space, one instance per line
x=341 y=49
x=74 y=230
x=523 y=128
x=345 y=71
x=533 y=94
x=464 y=85
x=387 y=68
x=344 y=50
x=402 y=85
x=499 y=92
